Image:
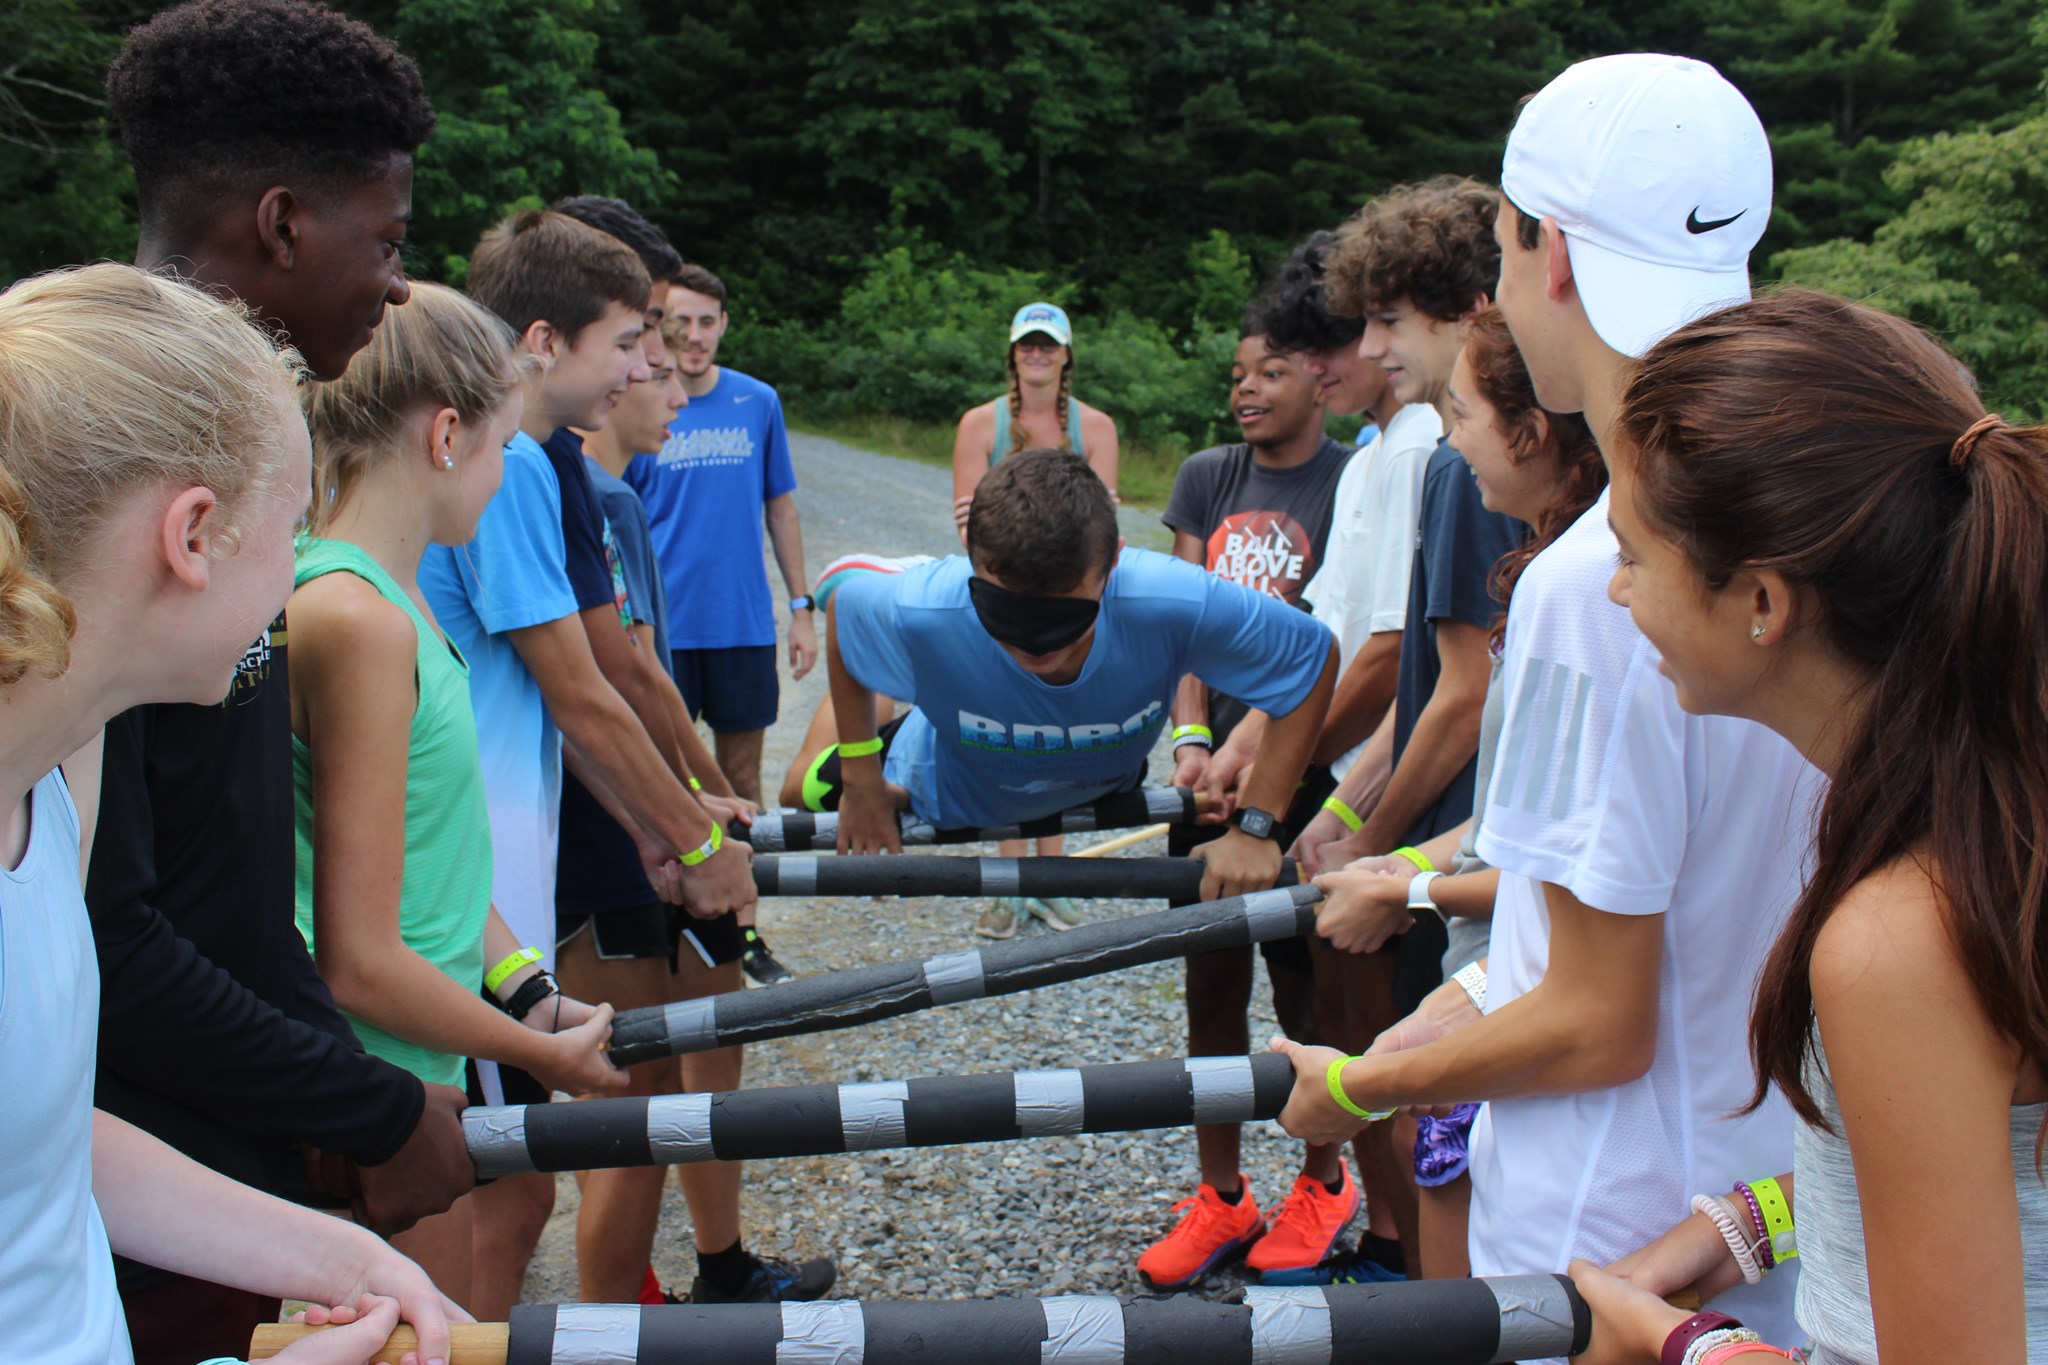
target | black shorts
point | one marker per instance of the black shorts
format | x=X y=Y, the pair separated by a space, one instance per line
x=823 y=784
x=656 y=930
x=1316 y=786
x=733 y=690
x=519 y=1087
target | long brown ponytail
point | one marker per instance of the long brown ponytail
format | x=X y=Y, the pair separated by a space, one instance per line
x=1843 y=448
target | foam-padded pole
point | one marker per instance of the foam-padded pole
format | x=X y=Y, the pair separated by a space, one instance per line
x=817 y=1120
x=861 y=995
x=807 y=874
x=1427 y=1322
x=801 y=831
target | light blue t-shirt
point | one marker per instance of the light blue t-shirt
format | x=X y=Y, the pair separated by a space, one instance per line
x=510 y=577
x=727 y=456
x=989 y=744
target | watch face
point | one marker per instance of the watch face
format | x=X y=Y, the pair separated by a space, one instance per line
x=1256 y=823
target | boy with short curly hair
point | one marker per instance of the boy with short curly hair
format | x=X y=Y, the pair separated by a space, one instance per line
x=1419 y=262
x=273 y=146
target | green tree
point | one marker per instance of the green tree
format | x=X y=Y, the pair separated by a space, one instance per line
x=65 y=192
x=522 y=118
x=1964 y=259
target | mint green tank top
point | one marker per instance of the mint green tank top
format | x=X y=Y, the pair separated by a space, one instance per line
x=445 y=895
x=1001 y=445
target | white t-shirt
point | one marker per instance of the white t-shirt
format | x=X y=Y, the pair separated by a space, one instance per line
x=1603 y=786
x=1362 y=588
x=58 y=1305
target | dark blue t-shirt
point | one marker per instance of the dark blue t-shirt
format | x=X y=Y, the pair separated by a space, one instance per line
x=583 y=531
x=598 y=867
x=1457 y=543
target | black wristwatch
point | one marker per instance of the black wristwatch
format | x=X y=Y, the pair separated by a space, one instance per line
x=804 y=603
x=1255 y=822
x=531 y=992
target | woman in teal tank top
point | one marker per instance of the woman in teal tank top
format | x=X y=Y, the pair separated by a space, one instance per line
x=1038 y=411
x=394 y=843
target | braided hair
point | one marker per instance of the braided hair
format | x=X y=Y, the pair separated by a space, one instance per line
x=1020 y=440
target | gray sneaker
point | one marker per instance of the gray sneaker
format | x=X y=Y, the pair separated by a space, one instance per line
x=1058 y=912
x=1001 y=918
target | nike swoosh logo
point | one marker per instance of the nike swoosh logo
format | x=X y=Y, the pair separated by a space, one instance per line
x=1696 y=227
x=741 y=398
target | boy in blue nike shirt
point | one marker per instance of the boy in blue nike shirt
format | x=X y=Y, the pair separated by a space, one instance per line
x=1041 y=669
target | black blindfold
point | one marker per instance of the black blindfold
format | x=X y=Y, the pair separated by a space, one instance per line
x=1032 y=625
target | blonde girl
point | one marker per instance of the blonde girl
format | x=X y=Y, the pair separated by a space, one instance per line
x=152 y=465
x=394 y=845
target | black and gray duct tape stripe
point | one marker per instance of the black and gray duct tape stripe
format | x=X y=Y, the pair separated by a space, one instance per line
x=1441 y=1322
x=817 y=1120
x=887 y=990
x=799 y=831
x=807 y=874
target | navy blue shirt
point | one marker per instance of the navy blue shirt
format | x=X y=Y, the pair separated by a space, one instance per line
x=1457 y=543
x=597 y=867
x=583 y=529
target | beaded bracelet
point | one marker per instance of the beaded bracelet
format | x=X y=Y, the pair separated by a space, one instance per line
x=1724 y=1218
x=1721 y=1342
x=1764 y=1258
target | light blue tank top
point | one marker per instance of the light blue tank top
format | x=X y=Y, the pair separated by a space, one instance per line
x=1002 y=441
x=58 y=1305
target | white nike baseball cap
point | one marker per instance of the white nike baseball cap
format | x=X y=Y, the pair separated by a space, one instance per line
x=1659 y=173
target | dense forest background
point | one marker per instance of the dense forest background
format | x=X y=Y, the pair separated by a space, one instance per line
x=881 y=182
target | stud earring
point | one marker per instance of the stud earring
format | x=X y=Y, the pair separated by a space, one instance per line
x=1756 y=632
x=448 y=462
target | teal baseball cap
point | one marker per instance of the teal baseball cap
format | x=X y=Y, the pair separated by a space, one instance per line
x=1048 y=318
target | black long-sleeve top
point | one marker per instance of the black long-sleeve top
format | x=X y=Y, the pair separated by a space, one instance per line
x=216 y=1033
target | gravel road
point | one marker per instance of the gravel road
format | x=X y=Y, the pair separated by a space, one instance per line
x=1051 y=1216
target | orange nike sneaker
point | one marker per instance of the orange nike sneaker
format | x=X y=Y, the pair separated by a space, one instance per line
x=1304 y=1231
x=1211 y=1231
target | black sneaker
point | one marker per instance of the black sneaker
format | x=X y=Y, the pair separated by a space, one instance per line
x=760 y=965
x=774 y=1280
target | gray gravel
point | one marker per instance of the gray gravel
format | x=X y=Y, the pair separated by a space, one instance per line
x=1052 y=1216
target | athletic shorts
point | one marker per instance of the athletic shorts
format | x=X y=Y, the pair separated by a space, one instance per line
x=1316 y=786
x=656 y=930
x=823 y=784
x=734 y=690
x=519 y=1087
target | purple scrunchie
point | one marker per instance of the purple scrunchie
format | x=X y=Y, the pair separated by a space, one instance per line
x=1443 y=1146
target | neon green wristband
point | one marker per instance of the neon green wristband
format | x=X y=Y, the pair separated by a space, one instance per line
x=1194 y=734
x=1335 y=805
x=1777 y=1211
x=1418 y=857
x=1334 y=1078
x=861 y=748
x=495 y=977
x=705 y=849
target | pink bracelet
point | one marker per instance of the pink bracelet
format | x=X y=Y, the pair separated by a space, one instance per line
x=1766 y=1257
x=1730 y=1350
